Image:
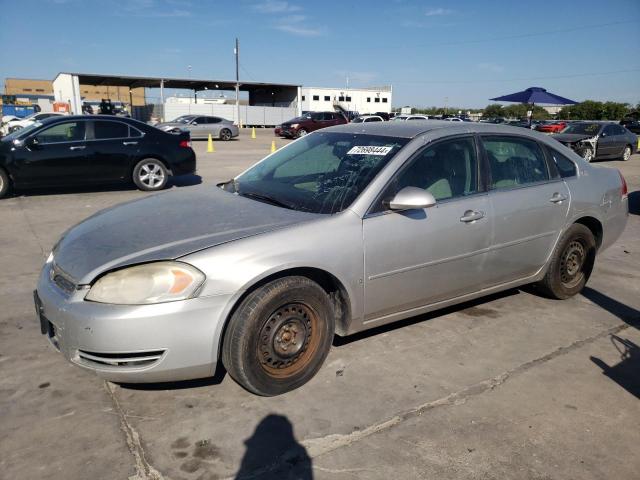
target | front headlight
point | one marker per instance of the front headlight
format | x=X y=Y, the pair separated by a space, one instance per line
x=156 y=282
x=294 y=125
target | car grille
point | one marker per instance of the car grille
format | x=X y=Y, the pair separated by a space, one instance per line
x=128 y=359
x=62 y=280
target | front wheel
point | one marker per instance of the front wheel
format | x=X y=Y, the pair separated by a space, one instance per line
x=225 y=134
x=626 y=154
x=571 y=263
x=4 y=183
x=587 y=154
x=279 y=336
x=301 y=133
x=150 y=175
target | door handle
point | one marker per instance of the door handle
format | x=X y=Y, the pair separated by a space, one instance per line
x=557 y=198
x=79 y=147
x=471 y=216
x=129 y=143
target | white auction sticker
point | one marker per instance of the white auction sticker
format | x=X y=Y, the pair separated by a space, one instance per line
x=369 y=150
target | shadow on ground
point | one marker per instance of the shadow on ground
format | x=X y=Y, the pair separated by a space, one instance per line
x=625 y=372
x=634 y=202
x=627 y=314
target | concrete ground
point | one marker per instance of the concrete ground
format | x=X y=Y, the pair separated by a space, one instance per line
x=512 y=386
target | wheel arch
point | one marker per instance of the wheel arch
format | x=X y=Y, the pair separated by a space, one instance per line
x=328 y=282
x=595 y=226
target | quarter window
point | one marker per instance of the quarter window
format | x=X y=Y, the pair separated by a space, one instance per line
x=565 y=166
x=62 y=132
x=515 y=162
x=105 y=130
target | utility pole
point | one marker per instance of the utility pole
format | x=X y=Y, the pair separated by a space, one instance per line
x=237 y=53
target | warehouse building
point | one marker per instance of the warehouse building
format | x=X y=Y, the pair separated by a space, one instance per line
x=362 y=100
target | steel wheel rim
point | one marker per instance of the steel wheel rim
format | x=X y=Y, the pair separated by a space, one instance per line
x=226 y=134
x=627 y=153
x=588 y=155
x=151 y=175
x=288 y=340
x=572 y=263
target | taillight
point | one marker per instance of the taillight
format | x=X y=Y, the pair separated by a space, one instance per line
x=624 y=191
x=185 y=143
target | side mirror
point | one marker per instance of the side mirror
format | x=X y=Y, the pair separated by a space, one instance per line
x=412 y=198
x=194 y=123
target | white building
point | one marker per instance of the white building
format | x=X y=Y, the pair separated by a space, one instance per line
x=361 y=100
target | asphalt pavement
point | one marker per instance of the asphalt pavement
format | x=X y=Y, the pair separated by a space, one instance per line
x=511 y=386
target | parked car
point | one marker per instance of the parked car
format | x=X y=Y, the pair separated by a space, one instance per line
x=300 y=126
x=19 y=123
x=346 y=229
x=552 y=127
x=201 y=126
x=367 y=119
x=417 y=117
x=599 y=140
x=384 y=115
x=88 y=149
x=631 y=124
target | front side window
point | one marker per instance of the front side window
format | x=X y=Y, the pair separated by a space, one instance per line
x=105 y=130
x=515 y=162
x=565 y=166
x=321 y=173
x=62 y=132
x=200 y=120
x=317 y=116
x=448 y=169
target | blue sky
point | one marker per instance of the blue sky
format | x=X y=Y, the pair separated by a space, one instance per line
x=465 y=51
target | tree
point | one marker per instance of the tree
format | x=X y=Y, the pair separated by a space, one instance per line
x=593 y=110
x=492 y=110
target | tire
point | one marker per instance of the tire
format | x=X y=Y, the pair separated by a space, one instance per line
x=626 y=153
x=150 y=175
x=225 y=134
x=262 y=350
x=571 y=264
x=301 y=133
x=5 y=183
x=587 y=154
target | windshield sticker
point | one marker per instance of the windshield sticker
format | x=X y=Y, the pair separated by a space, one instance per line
x=369 y=150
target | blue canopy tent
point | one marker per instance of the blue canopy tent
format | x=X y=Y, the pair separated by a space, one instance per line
x=534 y=95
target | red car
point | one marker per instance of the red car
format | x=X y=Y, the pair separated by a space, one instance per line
x=310 y=122
x=555 y=127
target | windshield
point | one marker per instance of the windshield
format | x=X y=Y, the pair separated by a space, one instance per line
x=583 y=128
x=358 y=120
x=320 y=173
x=23 y=132
x=183 y=119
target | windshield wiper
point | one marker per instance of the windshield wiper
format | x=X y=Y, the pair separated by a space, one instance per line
x=267 y=199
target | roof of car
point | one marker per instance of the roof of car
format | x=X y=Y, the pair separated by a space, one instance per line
x=417 y=127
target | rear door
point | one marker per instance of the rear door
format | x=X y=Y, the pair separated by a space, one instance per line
x=112 y=149
x=53 y=156
x=530 y=204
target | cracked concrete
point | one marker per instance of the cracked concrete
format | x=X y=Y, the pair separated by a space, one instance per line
x=512 y=386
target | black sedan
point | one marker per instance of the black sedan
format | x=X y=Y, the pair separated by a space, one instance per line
x=88 y=149
x=599 y=140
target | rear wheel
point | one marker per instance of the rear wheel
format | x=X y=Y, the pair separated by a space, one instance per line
x=279 y=336
x=571 y=263
x=150 y=175
x=626 y=153
x=225 y=134
x=5 y=183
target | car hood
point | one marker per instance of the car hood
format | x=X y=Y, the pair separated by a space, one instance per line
x=165 y=226
x=571 y=137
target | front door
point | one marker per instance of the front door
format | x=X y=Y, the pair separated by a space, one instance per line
x=529 y=206
x=53 y=156
x=418 y=257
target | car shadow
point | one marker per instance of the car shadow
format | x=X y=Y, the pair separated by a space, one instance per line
x=634 y=202
x=216 y=379
x=178 y=181
x=625 y=372
x=472 y=306
x=627 y=314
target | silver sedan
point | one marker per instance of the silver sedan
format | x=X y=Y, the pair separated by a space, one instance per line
x=343 y=230
x=201 y=126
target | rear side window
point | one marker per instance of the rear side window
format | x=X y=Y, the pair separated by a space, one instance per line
x=565 y=166
x=515 y=162
x=134 y=132
x=105 y=130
